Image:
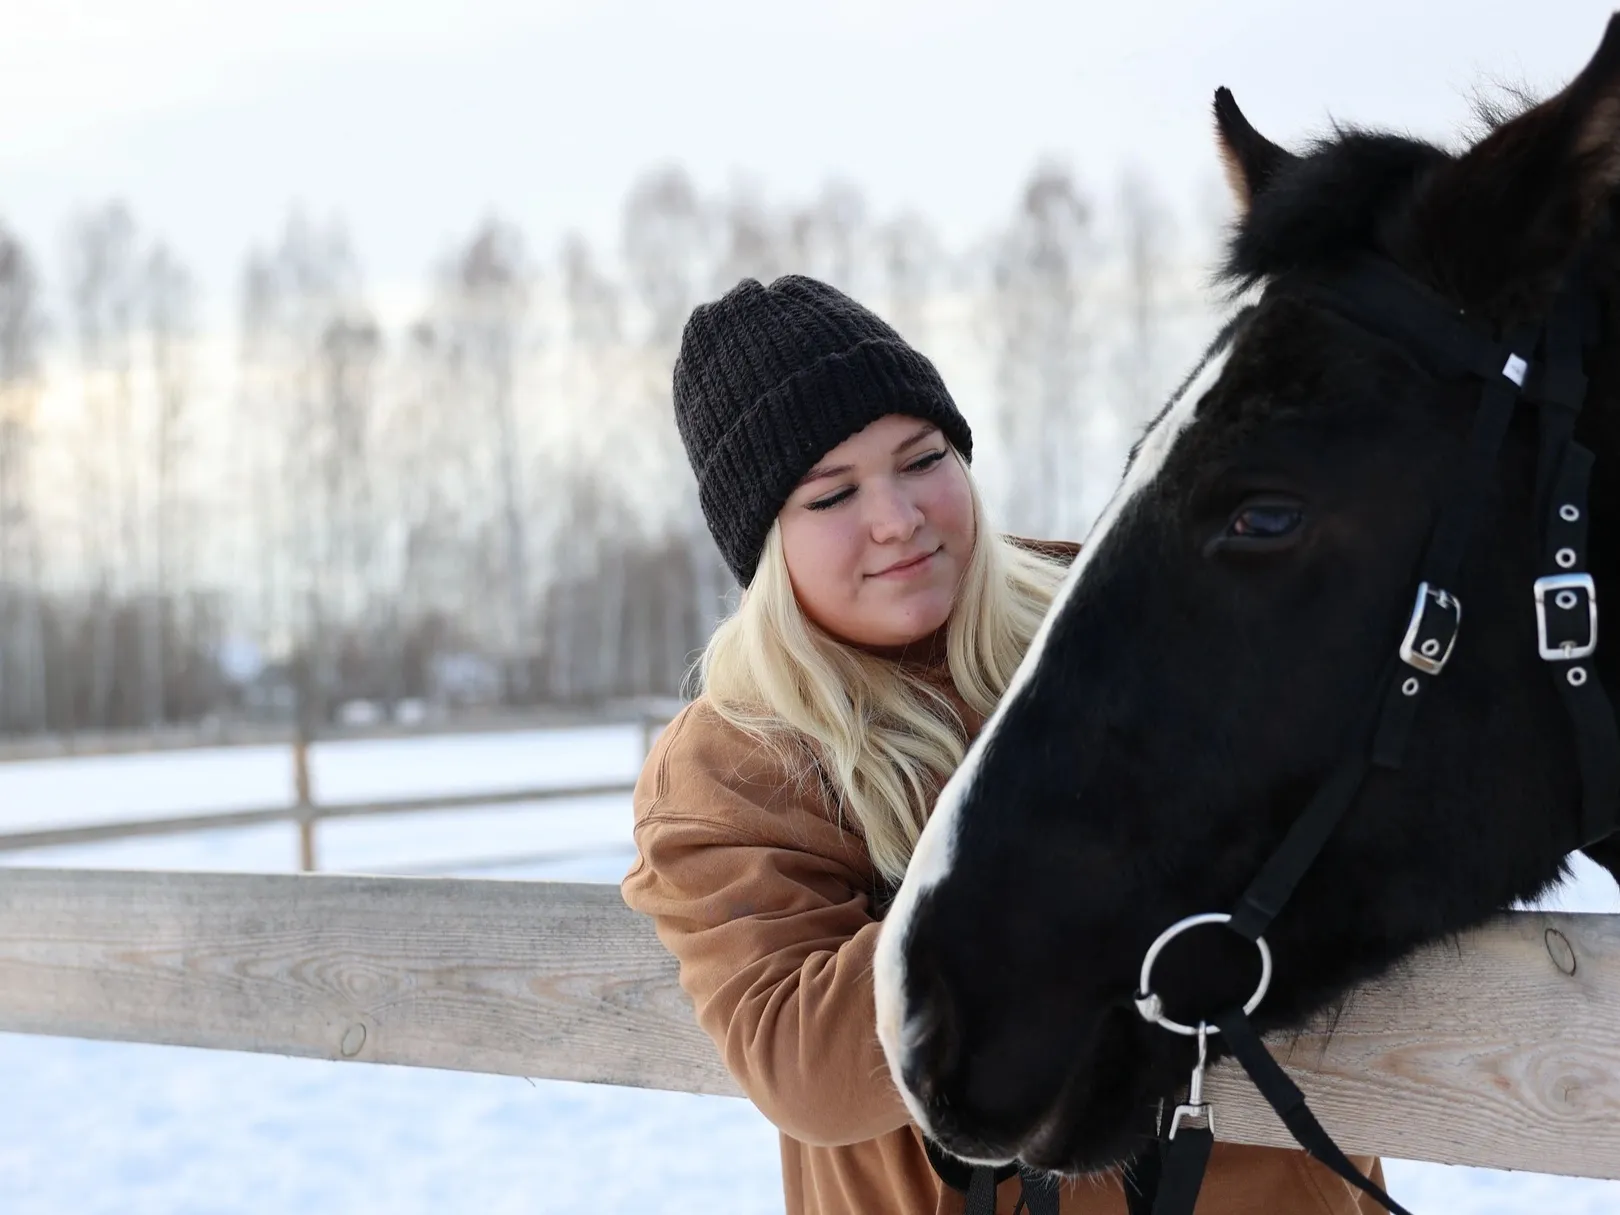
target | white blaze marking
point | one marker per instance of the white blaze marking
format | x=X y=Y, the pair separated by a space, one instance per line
x=931 y=861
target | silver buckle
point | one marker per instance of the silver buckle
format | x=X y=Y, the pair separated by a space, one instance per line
x=1554 y=584
x=1429 y=656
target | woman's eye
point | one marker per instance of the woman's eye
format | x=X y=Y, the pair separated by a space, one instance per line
x=830 y=501
x=1266 y=521
x=919 y=465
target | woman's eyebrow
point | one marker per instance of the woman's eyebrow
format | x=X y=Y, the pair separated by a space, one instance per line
x=821 y=473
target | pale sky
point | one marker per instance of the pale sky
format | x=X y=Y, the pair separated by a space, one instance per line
x=412 y=119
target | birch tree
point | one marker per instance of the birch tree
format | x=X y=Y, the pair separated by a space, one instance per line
x=102 y=290
x=169 y=296
x=23 y=703
x=1040 y=268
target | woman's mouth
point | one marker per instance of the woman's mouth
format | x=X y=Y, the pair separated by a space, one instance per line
x=905 y=569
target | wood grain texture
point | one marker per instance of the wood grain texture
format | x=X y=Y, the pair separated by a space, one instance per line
x=520 y=978
x=1503 y=1050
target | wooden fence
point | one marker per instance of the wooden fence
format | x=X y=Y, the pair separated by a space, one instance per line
x=305 y=811
x=1501 y=1050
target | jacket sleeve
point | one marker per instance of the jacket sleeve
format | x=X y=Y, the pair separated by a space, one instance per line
x=759 y=898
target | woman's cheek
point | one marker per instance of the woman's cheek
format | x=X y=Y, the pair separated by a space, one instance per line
x=838 y=550
x=951 y=508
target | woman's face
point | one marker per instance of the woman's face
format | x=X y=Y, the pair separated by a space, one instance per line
x=877 y=535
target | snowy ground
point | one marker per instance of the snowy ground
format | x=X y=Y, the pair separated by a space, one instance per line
x=90 y=1127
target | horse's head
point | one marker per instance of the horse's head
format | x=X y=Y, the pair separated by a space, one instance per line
x=1233 y=610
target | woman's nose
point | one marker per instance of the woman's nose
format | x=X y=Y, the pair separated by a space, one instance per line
x=895 y=516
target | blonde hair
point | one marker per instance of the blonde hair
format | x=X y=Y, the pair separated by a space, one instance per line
x=881 y=738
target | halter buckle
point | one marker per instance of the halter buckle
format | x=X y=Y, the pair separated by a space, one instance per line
x=1432 y=632
x=1569 y=593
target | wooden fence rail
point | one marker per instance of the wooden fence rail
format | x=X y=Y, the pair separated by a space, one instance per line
x=1502 y=1050
x=305 y=811
x=179 y=824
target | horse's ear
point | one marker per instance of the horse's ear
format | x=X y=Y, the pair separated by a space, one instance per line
x=1249 y=158
x=1505 y=218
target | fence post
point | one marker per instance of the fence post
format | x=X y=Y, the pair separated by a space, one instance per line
x=306 y=683
x=306 y=805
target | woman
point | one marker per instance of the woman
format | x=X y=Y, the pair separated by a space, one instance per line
x=880 y=622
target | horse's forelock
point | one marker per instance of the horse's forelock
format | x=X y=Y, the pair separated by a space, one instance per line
x=1343 y=196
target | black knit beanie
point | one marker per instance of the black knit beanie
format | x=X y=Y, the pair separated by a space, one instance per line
x=770 y=379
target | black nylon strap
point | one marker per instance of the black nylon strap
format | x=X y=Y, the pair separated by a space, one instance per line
x=961 y=1176
x=1570 y=488
x=1563 y=481
x=1591 y=714
x=1596 y=738
x=1557 y=433
x=1040 y=1193
x=1038 y=1196
x=1275 y=883
x=1442 y=562
x=1572 y=325
x=1558 y=383
x=1185 y=1160
x=978 y=1182
x=1381 y=298
x=1284 y=1097
x=1445 y=555
x=981 y=1192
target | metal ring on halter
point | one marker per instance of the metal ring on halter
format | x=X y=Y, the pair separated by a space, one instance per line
x=1152 y=1008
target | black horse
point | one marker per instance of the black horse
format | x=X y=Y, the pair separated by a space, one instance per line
x=1206 y=664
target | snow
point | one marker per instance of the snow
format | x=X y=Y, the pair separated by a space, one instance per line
x=100 y=1127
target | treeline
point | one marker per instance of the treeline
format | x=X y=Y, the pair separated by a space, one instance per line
x=489 y=504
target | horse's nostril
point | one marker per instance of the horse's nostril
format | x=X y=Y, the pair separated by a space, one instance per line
x=917 y=1079
x=933 y=1045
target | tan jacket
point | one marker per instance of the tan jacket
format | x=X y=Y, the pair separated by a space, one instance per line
x=769 y=906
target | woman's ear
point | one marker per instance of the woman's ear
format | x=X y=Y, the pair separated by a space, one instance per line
x=1499 y=225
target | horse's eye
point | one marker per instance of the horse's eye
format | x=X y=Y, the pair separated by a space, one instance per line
x=1268 y=524
x=1266 y=521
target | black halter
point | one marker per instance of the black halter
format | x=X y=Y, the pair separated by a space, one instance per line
x=1543 y=366
x=977 y=1182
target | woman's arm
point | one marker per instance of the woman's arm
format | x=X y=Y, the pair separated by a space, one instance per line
x=762 y=900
